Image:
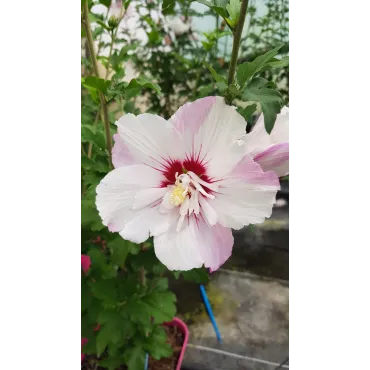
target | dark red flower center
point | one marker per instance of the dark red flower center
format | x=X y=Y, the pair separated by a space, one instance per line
x=178 y=167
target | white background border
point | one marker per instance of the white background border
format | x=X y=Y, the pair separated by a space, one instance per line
x=329 y=185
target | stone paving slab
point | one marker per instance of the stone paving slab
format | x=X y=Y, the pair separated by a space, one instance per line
x=253 y=317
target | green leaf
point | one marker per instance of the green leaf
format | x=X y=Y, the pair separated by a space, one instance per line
x=119 y=248
x=102 y=24
x=215 y=75
x=103 y=338
x=176 y=274
x=270 y=100
x=112 y=362
x=218 y=6
x=98 y=166
x=162 y=306
x=104 y=290
x=277 y=63
x=135 y=358
x=168 y=7
x=127 y=4
x=248 y=111
x=87 y=135
x=159 y=284
x=90 y=216
x=157 y=305
x=234 y=10
x=248 y=69
x=139 y=311
x=97 y=83
x=199 y=276
x=137 y=84
x=222 y=86
x=105 y=2
x=85 y=295
x=284 y=178
x=157 y=343
x=118 y=325
x=98 y=259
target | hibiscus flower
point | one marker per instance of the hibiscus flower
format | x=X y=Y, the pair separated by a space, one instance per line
x=271 y=152
x=187 y=182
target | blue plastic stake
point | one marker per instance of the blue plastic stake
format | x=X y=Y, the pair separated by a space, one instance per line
x=146 y=361
x=210 y=312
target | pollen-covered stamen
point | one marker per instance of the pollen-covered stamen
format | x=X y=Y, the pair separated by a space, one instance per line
x=177 y=195
x=185 y=193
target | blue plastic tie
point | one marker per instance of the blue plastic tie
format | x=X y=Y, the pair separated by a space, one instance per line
x=146 y=361
x=210 y=312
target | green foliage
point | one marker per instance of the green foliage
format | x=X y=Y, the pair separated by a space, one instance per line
x=137 y=84
x=248 y=111
x=199 y=276
x=97 y=83
x=105 y=2
x=234 y=11
x=218 y=6
x=135 y=357
x=156 y=344
x=248 y=69
x=168 y=7
x=270 y=100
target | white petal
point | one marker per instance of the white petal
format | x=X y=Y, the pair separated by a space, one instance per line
x=196 y=244
x=150 y=138
x=179 y=250
x=246 y=195
x=207 y=210
x=144 y=223
x=218 y=138
x=211 y=130
x=146 y=197
x=116 y=193
x=166 y=204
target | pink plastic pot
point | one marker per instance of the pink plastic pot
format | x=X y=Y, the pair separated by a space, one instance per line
x=184 y=329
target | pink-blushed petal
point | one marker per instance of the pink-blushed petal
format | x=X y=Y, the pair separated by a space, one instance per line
x=194 y=245
x=271 y=151
x=146 y=197
x=121 y=156
x=275 y=158
x=216 y=244
x=179 y=250
x=211 y=130
x=280 y=132
x=207 y=211
x=117 y=191
x=150 y=139
x=259 y=140
x=246 y=195
x=189 y=117
x=145 y=223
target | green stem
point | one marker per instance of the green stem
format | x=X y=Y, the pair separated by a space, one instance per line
x=103 y=103
x=142 y=277
x=89 y=151
x=236 y=43
x=197 y=79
